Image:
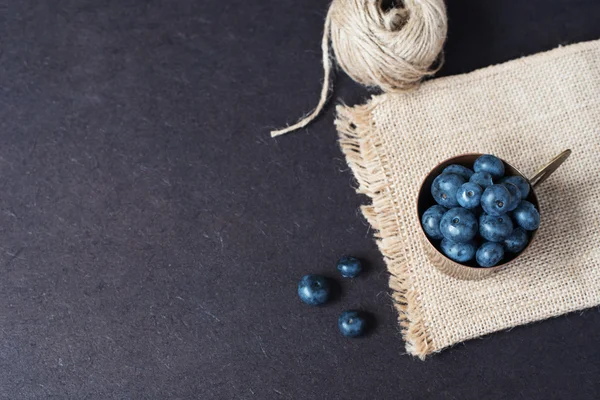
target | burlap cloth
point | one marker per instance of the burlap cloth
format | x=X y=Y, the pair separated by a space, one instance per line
x=526 y=111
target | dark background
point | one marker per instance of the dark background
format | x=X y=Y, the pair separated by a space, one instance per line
x=152 y=234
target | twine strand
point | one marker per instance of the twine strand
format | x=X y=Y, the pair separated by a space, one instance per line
x=391 y=49
x=327 y=66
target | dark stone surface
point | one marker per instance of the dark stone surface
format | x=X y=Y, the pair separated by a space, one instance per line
x=152 y=234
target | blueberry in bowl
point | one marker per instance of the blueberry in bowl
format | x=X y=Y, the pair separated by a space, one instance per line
x=489 y=254
x=491 y=164
x=496 y=200
x=458 y=169
x=459 y=225
x=495 y=228
x=483 y=179
x=469 y=195
x=431 y=221
x=445 y=187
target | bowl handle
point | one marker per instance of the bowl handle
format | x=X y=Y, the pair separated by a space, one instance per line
x=549 y=168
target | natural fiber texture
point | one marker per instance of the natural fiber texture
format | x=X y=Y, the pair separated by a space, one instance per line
x=526 y=111
x=390 y=49
x=393 y=49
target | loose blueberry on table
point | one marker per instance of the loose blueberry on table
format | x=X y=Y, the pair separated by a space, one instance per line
x=482 y=207
x=349 y=266
x=352 y=324
x=314 y=289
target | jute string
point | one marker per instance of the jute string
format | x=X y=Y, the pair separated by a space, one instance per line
x=391 y=49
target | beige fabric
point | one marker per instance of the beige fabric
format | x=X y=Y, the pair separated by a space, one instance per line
x=526 y=111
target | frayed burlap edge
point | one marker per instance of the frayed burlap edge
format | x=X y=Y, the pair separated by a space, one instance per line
x=364 y=153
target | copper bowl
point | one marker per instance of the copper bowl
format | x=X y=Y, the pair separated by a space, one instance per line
x=470 y=270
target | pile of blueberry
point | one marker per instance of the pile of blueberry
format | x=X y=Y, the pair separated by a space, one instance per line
x=480 y=213
x=316 y=290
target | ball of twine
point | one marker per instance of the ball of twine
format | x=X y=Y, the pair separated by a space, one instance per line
x=389 y=48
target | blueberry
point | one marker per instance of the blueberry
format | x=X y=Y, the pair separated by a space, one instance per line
x=459 y=252
x=444 y=189
x=526 y=216
x=516 y=241
x=491 y=164
x=483 y=179
x=495 y=229
x=313 y=289
x=459 y=225
x=495 y=200
x=352 y=324
x=515 y=195
x=489 y=254
x=469 y=195
x=458 y=170
x=431 y=221
x=349 y=266
x=521 y=183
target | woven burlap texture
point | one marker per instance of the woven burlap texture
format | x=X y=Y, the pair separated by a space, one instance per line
x=525 y=111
